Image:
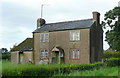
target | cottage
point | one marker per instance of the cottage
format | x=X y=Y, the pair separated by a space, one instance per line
x=79 y=41
x=23 y=53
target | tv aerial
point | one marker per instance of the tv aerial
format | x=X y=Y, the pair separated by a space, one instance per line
x=42 y=5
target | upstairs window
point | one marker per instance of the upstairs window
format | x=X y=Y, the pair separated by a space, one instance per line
x=44 y=53
x=74 y=54
x=74 y=35
x=44 y=37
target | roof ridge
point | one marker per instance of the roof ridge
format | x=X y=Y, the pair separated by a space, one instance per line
x=29 y=38
x=66 y=25
x=69 y=21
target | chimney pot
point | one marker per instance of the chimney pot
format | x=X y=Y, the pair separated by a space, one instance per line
x=40 y=22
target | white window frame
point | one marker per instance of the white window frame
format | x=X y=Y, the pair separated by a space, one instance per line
x=74 y=54
x=44 y=53
x=44 y=37
x=75 y=35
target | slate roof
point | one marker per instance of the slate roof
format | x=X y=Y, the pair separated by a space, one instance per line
x=26 y=45
x=68 y=25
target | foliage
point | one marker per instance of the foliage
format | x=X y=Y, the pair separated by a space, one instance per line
x=107 y=71
x=0 y=67
x=113 y=62
x=6 y=56
x=3 y=50
x=44 y=70
x=110 y=54
x=112 y=20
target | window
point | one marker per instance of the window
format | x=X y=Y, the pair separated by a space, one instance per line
x=74 y=54
x=74 y=35
x=44 y=53
x=44 y=37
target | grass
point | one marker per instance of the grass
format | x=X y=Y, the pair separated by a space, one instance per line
x=108 y=71
x=8 y=64
x=0 y=67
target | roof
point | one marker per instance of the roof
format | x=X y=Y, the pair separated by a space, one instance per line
x=68 y=25
x=26 y=45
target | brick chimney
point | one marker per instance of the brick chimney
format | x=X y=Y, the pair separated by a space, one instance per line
x=96 y=17
x=40 y=22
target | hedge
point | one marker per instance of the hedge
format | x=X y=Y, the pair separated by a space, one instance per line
x=47 y=70
x=6 y=56
x=113 y=62
x=110 y=54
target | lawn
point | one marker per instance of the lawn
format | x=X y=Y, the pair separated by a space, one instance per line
x=108 y=71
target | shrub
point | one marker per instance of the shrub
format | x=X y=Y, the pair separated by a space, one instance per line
x=6 y=56
x=46 y=70
x=113 y=62
x=110 y=54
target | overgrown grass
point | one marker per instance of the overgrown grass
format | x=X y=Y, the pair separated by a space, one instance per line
x=108 y=71
x=8 y=64
x=44 y=70
x=0 y=67
x=10 y=69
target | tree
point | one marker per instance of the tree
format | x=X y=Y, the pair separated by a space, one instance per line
x=112 y=20
x=4 y=54
x=3 y=50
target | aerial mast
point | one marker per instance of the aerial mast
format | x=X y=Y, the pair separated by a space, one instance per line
x=42 y=5
x=42 y=10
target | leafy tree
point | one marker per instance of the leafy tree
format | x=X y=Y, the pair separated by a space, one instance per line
x=3 y=50
x=112 y=20
x=4 y=54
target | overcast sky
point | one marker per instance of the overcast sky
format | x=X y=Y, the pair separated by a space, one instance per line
x=18 y=17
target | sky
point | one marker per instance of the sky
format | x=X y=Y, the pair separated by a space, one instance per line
x=18 y=17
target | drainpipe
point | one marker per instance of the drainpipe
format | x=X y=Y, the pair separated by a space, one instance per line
x=50 y=58
x=59 y=57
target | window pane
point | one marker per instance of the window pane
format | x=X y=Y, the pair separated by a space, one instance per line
x=71 y=36
x=77 y=52
x=41 y=37
x=41 y=53
x=77 y=35
x=74 y=35
x=74 y=54
x=44 y=37
x=46 y=50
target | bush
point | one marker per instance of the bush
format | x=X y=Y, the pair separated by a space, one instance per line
x=6 y=56
x=113 y=62
x=110 y=54
x=46 y=70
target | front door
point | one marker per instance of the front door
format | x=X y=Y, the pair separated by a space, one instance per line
x=57 y=57
x=20 y=57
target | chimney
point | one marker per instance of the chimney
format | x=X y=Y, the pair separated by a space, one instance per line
x=96 y=17
x=40 y=22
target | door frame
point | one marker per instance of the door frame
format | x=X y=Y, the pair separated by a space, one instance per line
x=59 y=50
